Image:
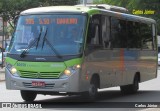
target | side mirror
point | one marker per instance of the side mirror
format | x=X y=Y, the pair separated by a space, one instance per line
x=15 y=20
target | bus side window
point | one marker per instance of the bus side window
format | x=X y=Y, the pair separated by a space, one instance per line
x=91 y=33
x=146 y=35
x=134 y=38
x=118 y=33
x=106 y=41
x=154 y=36
x=93 y=37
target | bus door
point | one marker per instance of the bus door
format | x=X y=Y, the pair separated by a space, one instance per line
x=98 y=57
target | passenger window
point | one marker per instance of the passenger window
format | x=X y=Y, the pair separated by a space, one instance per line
x=94 y=34
x=146 y=34
x=106 y=40
x=118 y=33
x=134 y=38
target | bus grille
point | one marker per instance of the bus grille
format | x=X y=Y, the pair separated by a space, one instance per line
x=40 y=75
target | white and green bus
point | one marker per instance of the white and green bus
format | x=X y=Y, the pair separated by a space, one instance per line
x=80 y=49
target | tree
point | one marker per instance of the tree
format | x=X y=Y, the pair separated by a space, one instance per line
x=9 y=9
x=60 y=2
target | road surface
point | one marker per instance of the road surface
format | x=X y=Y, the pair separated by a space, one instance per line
x=149 y=92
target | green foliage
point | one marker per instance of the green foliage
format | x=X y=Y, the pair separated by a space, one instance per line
x=9 y=9
x=60 y=2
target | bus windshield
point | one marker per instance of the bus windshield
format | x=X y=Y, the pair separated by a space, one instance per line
x=39 y=34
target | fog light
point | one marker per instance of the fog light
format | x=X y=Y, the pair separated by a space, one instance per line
x=64 y=85
x=14 y=83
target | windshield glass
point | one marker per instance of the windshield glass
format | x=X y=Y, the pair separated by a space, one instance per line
x=39 y=34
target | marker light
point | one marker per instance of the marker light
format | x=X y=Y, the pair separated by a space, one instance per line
x=78 y=66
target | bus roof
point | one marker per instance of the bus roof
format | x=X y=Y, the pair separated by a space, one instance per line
x=129 y=17
x=107 y=7
x=50 y=9
x=88 y=9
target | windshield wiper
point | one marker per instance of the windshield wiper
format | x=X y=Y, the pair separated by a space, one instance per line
x=44 y=38
x=39 y=37
x=51 y=46
x=30 y=45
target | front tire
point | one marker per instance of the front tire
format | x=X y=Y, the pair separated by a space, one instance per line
x=92 y=92
x=28 y=96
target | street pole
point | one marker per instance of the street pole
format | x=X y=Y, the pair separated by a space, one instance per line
x=158 y=23
x=2 y=42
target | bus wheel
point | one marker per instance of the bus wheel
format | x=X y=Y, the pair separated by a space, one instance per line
x=130 y=89
x=28 y=95
x=92 y=92
x=93 y=89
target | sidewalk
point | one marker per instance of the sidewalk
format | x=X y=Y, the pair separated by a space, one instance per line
x=2 y=74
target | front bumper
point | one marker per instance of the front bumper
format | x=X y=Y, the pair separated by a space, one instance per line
x=70 y=84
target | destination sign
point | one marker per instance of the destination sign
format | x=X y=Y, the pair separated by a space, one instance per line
x=58 y=21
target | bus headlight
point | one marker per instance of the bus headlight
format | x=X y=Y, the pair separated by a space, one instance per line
x=12 y=69
x=69 y=71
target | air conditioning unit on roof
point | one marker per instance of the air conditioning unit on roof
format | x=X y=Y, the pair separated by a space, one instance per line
x=107 y=7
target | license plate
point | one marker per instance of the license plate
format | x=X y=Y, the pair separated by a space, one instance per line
x=38 y=84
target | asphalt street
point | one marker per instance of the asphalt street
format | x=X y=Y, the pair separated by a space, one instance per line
x=149 y=92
